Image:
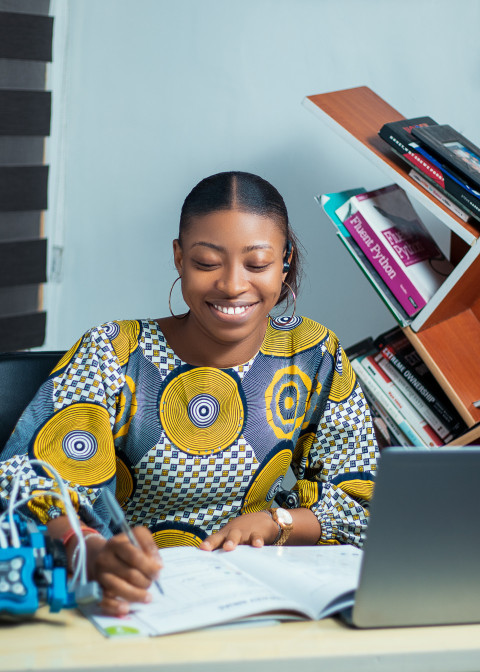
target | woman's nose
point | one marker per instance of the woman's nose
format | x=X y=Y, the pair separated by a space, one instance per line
x=232 y=280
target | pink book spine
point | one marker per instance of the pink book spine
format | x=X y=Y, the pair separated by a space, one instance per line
x=387 y=267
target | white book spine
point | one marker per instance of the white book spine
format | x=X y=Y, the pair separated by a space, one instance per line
x=414 y=398
x=414 y=419
x=376 y=391
x=415 y=175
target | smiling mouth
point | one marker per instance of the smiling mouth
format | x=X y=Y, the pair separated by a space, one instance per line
x=232 y=310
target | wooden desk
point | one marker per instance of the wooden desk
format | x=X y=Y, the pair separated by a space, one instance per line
x=67 y=641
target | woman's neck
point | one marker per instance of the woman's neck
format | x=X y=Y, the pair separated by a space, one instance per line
x=195 y=347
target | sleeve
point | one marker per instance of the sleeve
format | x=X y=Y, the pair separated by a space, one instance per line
x=336 y=455
x=68 y=425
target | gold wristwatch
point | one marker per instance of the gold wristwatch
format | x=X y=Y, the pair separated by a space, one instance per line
x=284 y=520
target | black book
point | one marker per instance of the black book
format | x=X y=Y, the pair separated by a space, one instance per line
x=452 y=149
x=395 y=347
x=398 y=134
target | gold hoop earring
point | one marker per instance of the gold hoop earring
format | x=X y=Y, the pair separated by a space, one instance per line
x=177 y=317
x=292 y=316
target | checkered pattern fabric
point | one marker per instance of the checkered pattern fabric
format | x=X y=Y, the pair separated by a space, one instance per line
x=185 y=485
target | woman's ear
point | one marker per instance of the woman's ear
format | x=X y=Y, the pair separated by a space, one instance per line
x=178 y=256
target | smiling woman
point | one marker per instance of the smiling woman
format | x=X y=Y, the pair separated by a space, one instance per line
x=193 y=420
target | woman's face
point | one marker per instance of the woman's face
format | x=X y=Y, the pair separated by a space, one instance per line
x=231 y=265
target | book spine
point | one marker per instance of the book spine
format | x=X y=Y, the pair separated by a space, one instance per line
x=425 y=391
x=414 y=419
x=412 y=157
x=388 y=298
x=452 y=183
x=439 y=195
x=433 y=171
x=389 y=270
x=395 y=436
x=376 y=391
x=422 y=407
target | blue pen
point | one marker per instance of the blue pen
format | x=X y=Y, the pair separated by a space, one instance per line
x=118 y=518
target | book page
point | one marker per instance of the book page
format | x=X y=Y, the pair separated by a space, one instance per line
x=200 y=589
x=314 y=576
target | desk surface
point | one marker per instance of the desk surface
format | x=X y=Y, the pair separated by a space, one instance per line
x=67 y=641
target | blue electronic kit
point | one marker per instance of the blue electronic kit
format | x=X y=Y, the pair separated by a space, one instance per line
x=34 y=573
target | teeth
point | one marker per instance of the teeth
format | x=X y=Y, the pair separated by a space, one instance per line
x=230 y=310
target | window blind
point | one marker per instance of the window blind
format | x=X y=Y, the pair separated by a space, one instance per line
x=26 y=33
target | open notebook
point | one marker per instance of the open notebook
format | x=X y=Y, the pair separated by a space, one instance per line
x=419 y=565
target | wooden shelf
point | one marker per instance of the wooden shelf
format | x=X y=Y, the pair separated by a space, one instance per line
x=357 y=115
x=446 y=333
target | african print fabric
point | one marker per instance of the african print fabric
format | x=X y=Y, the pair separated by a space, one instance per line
x=187 y=448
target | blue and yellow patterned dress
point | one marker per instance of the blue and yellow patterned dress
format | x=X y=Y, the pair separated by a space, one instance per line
x=187 y=448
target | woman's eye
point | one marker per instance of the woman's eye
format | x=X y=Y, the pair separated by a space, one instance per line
x=204 y=265
x=258 y=267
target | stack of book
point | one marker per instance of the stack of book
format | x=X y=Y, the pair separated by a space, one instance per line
x=386 y=238
x=442 y=161
x=409 y=408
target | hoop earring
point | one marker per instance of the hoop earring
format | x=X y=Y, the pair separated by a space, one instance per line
x=294 y=306
x=181 y=317
x=294 y=302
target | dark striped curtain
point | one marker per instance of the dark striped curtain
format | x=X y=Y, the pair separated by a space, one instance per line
x=25 y=48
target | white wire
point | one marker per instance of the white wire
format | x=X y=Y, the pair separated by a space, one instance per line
x=23 y=501
x=14 y=538
x=81 y=568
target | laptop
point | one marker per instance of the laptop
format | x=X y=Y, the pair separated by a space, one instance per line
x=421 y=561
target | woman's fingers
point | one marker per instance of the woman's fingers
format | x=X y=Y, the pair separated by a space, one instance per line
x=125 y=571
x=117 y=586
x=230 y=536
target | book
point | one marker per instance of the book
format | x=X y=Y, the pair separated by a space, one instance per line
x=415 y=399
x=203 y=589
x=388 y=429
x=398 y=134
x=452 y=149
x=374 y=390
x=330 y=203
x=397 y=349
x=439 y=195
x=414 y=419
x=395 y=241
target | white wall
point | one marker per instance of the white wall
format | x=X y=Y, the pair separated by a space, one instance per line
x=150 y=96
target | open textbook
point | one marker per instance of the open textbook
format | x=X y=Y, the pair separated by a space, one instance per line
x=203 y=589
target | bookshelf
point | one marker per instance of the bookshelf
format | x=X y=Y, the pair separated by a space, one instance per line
x=446 y=332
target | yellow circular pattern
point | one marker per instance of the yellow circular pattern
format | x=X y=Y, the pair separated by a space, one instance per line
x=172 y=537
x=77 y=441
x=125 y=340
x=124 y=485
x=288 y=342
x=256 y=497
x=218 y=397
x=282 y=398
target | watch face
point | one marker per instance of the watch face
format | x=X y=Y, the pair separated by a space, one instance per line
x=284 y=517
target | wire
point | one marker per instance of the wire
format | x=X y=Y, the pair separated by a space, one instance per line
x=80 y=570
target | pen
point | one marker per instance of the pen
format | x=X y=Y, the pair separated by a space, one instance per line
x=118 y=518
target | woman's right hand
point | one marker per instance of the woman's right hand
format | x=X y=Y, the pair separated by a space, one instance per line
x=123 y=571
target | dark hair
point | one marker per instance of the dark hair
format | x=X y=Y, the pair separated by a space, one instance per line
x=236 y=190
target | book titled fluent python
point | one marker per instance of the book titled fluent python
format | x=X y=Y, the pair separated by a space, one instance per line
x=397 y=244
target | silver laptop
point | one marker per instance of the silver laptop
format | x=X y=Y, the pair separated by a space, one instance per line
x=421 y=564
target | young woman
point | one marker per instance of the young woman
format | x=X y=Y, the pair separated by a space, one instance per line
x=193 y=420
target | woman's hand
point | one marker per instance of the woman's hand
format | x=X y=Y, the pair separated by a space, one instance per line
x=123 y=571
x=254 y=529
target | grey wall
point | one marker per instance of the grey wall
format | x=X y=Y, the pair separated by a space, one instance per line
x=152 y=95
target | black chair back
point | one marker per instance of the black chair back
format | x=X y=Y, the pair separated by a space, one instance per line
x=21 y=374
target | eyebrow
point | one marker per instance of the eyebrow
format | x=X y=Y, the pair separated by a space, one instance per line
x=219 y=248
